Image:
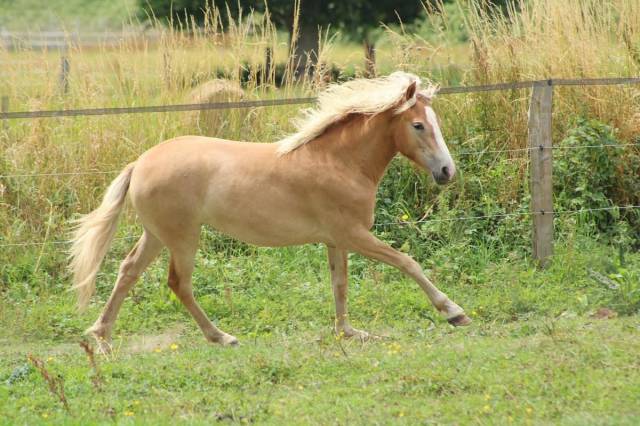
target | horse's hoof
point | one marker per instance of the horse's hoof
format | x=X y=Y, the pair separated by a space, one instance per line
x=103 y=345
x=459 y=320
x=361 y=336
x=353 y=333
x=228 y=340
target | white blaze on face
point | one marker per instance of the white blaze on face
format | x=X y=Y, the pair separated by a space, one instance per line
x=443 y=151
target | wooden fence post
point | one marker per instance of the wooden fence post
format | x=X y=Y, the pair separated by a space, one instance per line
x=268 y=67
x=4 y=107
x=64 y=74
x=166 y=67
x=369 y=59
x=540 y=145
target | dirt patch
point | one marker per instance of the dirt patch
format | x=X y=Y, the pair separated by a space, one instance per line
x=125 y=344
x=604 y=313
x=150 y=343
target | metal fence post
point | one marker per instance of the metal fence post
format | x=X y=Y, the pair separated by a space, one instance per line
x=5 y=108
x=64 y=74
x=540 y=144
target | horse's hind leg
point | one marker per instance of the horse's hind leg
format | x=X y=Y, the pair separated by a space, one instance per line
x=145 y=250
x=338 y=264
x=180 y=273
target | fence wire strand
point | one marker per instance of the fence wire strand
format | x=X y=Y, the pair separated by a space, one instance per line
x=293 y=101
x=58 y=242
x=397 y=223
x=460 y=154
x=503 y=215
x=49 y=174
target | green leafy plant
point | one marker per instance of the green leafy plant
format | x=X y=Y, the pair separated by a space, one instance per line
x=585 y=173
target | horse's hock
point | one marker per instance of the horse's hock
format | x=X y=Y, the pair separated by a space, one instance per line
x=211 y=121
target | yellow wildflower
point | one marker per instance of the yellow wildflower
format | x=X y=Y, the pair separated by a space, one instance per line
x=174 y=347
x=128 y=413
x=45 y=415
x=529 y=410
x=405 y=217
x=486 y=409
x=157 y=350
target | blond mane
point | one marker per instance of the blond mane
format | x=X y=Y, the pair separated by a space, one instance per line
x=359 y=96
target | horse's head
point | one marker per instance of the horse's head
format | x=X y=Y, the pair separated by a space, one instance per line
x=417 y=136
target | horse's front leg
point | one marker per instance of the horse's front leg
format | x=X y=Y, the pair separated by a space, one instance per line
x=338 y=264
x=368 y=245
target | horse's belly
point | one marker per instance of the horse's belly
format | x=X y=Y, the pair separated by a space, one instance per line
x=267 y=232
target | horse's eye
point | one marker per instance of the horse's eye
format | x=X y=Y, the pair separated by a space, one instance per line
x=418 y=126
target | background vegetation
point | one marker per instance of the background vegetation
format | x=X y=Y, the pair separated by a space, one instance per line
x=71 y=15
x=546 y=346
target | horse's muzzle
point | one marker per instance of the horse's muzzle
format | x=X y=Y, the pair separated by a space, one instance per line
x=443 y=176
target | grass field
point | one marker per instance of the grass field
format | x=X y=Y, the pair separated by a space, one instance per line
x=552 y=346
x=571 y=371
x=540 y=349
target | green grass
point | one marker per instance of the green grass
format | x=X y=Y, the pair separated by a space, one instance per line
x=534 y=354
x=572 y=371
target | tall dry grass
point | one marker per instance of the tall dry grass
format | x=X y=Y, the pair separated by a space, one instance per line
x=545 y=39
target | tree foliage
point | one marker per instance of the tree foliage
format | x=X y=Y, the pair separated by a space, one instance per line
x=355 y=18
x=176 y=11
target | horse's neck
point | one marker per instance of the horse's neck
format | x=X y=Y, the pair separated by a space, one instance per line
x=363 y=144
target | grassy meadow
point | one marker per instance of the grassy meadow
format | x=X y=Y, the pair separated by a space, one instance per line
x=552 y=346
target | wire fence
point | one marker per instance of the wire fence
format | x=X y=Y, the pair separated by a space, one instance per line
x=156 y=108
x=56 y=242
x=383 y=224
x=304 y=100
x=51 y=174
x=5 y=115
x=66 y=40
x=503 y=215
x=460 y=154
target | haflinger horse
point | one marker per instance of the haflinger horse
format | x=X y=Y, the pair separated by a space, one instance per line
x=316 y=186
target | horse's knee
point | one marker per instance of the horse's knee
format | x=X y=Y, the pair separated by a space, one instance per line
x=410 y=267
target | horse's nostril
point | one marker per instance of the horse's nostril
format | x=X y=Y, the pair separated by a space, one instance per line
x=445 y=171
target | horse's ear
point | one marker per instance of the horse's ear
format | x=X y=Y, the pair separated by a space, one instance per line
x=411 y=91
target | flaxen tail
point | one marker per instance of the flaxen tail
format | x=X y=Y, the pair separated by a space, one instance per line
x=93 y=235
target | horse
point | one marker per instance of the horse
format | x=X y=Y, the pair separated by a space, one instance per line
x=317 y=185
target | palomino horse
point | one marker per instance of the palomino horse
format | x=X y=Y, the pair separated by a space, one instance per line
x=316 y=186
